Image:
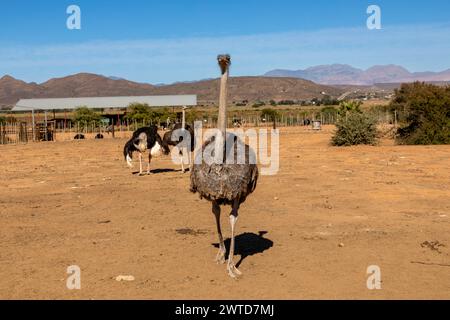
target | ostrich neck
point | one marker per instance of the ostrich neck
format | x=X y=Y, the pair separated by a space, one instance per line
x=183 y=123
x=222 y=120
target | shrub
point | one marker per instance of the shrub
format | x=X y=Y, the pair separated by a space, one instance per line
x=270 y=114
x=139 y=112
x=355 y=128
x=330 y=110
x=84 y=115
x=286 y=103
x=349 y=106
x=428 y=113
x=258 y=104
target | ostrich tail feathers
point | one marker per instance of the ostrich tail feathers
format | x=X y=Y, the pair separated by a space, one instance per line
x=129 y=161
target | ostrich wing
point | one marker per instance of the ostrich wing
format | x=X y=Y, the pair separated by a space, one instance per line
x=225 y=182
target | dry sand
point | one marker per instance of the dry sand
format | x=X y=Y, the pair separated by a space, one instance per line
x=338 y=210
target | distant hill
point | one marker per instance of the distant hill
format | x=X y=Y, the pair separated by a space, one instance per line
x=92 y=85
x=339 y=74
x=252 y=89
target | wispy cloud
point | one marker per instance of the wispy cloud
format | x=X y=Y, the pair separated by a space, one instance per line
x=425 y=47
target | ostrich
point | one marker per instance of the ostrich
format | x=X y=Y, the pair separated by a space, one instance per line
x=223 y=183
x=144 y=139
x=169 y=140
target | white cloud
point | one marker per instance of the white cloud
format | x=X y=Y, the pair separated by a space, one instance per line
x=166 y=60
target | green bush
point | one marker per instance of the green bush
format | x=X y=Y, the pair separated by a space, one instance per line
x=270 y=114
x=355 y=128
x=85 y=116
x=144 y=115
x=349 y=106
x=258 y=104
x=427 y=109
x=138 y=112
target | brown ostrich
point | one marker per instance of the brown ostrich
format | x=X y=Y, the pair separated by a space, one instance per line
x=220 y=182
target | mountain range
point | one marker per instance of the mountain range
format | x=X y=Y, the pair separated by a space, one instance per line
x=338 y=74
x=93 y=85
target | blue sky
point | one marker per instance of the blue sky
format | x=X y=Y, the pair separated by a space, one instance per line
x=177 y=40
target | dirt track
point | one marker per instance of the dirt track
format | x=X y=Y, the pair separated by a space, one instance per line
x=76 y=203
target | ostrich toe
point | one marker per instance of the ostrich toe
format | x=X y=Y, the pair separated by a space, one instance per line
x=233 y=272
x=220 y=258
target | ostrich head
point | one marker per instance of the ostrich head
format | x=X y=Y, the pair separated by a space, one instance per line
x=224 y=62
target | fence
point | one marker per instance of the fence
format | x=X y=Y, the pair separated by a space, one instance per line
x=15 y=133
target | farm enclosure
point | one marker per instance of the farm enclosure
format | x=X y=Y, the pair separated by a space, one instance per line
x=76 y=203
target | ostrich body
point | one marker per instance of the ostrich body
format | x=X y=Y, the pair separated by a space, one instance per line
x=144 y=139
x=168 y=140
x=223 y=183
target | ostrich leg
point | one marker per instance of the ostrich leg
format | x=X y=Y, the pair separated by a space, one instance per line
x=232 y=270
x=222 y=250
x=182 y=161
x=140 y=163
x=149 y=161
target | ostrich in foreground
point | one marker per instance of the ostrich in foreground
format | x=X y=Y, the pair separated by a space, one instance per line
x=144 y=139
x=170 y=140
x=223 y=183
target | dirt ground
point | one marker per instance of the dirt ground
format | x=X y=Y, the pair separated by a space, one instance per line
x=309 y=232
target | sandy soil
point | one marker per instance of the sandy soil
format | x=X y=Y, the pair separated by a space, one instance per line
x=327 y=216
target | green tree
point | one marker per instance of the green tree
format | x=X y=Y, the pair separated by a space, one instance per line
x=258 y=104
x=427 y=109
x=329 y=109
x=85 y=116
x=270 y=114
x=139 y=112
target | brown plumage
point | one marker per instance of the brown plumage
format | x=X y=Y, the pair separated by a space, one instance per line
x=225 y=183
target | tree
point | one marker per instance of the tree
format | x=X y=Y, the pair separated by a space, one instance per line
x=84 y=115
x=329 y=110
x=139 y=112
x=428 y=113
x=270 y=114
x=258 y=104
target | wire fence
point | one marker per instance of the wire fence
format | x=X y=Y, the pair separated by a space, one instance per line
x=23 y=132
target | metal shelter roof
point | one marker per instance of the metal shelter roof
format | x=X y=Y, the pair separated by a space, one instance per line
x=104 y=102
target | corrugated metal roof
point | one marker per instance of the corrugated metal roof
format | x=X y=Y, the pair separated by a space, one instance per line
x=104 y=102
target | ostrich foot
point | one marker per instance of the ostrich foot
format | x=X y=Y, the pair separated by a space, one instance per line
x=149 y=173
x=233 y=272
x=220 y=258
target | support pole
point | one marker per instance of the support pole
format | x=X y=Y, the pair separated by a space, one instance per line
x=184 y=118
x=33 y=124
x=45 y=123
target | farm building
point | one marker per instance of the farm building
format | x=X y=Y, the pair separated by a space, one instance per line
x=37 y=117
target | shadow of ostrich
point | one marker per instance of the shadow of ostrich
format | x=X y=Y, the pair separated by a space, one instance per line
x=158 y=171
x=248 y=244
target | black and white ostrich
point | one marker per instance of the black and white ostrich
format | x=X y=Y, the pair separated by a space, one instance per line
x=223 y=183
x=170 y=139
x=144 y=139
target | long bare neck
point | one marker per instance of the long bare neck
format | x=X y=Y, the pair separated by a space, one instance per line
x=183 y=123
x=222 y=120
